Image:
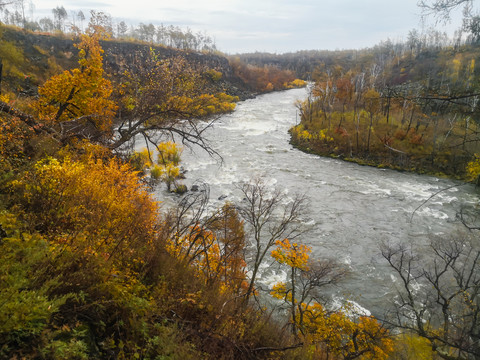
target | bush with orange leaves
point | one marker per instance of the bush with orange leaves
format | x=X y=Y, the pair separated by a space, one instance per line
x=98 y=206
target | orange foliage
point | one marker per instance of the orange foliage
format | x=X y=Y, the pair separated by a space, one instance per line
x=264 y=79
x=215 y=249
x=83 y=91
x=292 y=254
x=337 y=333
x=99 y=207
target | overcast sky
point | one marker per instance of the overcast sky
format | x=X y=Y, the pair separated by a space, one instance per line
x=276 y=26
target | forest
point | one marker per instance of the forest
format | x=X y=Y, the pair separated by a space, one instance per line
x=414 y=111
x=93 y=267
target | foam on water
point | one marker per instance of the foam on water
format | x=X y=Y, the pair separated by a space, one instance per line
x=437 y=214
x=273 y=278
x=352 y=209
x=350 y=308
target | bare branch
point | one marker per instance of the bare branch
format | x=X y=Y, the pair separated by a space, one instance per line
x=269 y=218
x=33 y=123
x=432 y=196
x=439 y=299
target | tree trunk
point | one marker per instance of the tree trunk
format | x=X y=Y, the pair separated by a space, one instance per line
x=369 y=132
x=294 y=321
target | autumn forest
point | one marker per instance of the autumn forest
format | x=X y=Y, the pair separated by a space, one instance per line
x=93 y=266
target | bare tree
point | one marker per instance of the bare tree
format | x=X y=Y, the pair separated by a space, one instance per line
x=442 y=9
x=59 y=15
x=268 y=217
x=122 y=29
x=81 y=18
x=440 y=299
x=320 y=274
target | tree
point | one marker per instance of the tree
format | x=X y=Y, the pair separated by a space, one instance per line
x=372 y=106
x=101 y=24
x=341 y=332
x=439 y=299
x=59 y=17
x=20 y=4
x=167 y=167
x=97 y=208
x=229 y=231
x=122 y=29
x=268 y=219
x=146 y=32
x=472 y=26
x=81 y=17
x=46 y=24
x=345 y=334
x=77 y=102
x=167 y=97
x=442 y=8
x=213 y=244
x=295 y=256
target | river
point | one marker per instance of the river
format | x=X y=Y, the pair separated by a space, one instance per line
x=352 y=208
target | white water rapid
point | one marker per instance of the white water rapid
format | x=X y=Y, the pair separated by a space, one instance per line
x=352 y=208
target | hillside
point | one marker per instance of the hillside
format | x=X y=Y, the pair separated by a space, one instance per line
x=30 y=58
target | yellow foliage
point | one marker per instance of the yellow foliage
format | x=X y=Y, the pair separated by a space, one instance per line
x=473 y=169
x=141 y=159
x=409 y=346
x=214 y=251
x=169 y=152
x=12 y=57
x=167 y=168
x=280 y=292
x=298 y=83
x=82 y=91
x=214 y=75
x=5 y=98
x=292 y=254
x=305 y=135
x=100 y=207
x=344 y=336
x=170 y=89
x=199 y=248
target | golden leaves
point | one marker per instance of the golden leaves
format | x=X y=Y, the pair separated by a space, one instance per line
x=292 y=254
x=82 y=91
x=170 y=89
x=102 y=200
x=214 y=249
x=345 y=335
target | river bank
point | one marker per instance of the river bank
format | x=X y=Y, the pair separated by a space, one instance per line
x=332 y=144
x=372 y=162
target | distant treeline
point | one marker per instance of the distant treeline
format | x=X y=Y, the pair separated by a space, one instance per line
x=305 y=62
x=72 y=21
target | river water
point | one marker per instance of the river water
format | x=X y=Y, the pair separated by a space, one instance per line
x=352 y=209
